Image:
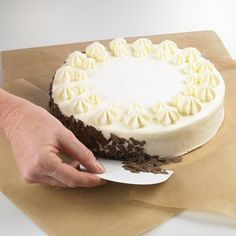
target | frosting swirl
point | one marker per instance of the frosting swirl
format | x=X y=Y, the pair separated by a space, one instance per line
x=157 y=106
x=107 y=116
x=169 y=47
x=63 y=92
x=161 y=54
x=191 y=90
x=142 y=47
x=64 y=74
x=136 y=117
x=76 y=58
x=119 y=47
x=193 y=79
x=80 y=89
x=88 y=64
x=190 y=68
x=206 y=93
x=190 y=106
x=97 y=51
x=205 y=66
x=80 y=105
x=210 y=78
x=94 y=98
x=178 y=101
x=167 y=115
x=80 y=75
x=191 y=54
x=178 y=59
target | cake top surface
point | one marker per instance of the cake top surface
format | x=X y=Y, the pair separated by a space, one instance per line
x=137 y=86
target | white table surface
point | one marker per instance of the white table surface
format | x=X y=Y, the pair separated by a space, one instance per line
x=28 y=23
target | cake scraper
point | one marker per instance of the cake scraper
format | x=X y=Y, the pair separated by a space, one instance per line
x=116 y=173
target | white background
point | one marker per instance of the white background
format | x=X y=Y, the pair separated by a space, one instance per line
x=31 y=23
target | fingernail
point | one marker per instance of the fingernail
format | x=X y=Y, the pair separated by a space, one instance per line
x=100 y=166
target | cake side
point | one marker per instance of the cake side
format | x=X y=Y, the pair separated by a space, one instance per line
x=130 y=151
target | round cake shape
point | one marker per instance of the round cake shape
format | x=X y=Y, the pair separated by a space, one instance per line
x=165 y=100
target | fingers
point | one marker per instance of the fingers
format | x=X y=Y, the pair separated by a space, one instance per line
x=75 y=164
x=71 y=177
x=51 y=182
x=45 y=180
x=73 y=147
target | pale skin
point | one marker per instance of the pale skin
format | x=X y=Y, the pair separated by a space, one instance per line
x=37 y=137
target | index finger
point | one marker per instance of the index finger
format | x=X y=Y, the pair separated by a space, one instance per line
x=73 y=147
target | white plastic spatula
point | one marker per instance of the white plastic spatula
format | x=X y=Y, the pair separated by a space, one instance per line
x=116 y=173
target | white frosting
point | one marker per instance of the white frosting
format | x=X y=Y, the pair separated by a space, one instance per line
x=157 y=106
x=190 y=68
x=191 y=54
x=119 y=47
x=167 y=115
x=210 y=78
x=80 y=105
x=107 y=116
x=94 y=98
x=64 y=91
x=206 y=93
x=145 y=80
x=88 y=64
x=178 y=59
x=76 y=58
x=190 y=106
x=193 y=79
x=65 y=73
x=161 y=54
x=169 y=47
x=191 y=90
x=142 y=47
x=169 y=108
x=205 y=66
x=97 y=51
x=177 y=100
x=136 y=117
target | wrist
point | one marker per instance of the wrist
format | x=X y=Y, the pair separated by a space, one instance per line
x=10 y=107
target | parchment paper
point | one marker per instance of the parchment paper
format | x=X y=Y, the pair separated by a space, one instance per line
x=38 y=65
x=103 y=210
x=206 y=179
x=192 y=183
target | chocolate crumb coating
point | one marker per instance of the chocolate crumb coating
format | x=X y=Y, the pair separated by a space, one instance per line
x=130 y=151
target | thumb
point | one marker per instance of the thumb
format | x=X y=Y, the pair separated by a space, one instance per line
x=70 y=145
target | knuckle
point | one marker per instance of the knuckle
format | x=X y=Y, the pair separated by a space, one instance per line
x=28 y=176
x=37 y=165
x=30 y=173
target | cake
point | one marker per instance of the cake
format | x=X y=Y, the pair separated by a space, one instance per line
x=139 y=100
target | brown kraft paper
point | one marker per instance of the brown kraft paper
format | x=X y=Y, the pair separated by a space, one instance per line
x=206 y=179
x=102 y=210
x=38 y=65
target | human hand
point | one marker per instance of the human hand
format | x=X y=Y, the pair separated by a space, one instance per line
x=36 y=138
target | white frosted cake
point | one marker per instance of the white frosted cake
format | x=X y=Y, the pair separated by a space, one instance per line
x=164 y=100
